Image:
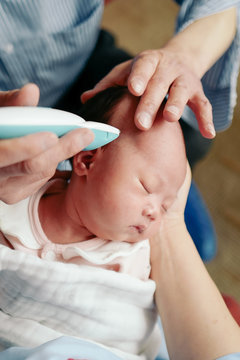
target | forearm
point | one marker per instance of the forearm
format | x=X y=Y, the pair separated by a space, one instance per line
x=204 y=41
x=196 y=322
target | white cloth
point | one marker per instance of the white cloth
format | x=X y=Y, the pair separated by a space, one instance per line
x=42 y=300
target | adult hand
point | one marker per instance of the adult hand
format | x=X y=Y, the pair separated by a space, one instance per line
x=173 y=219
x=176 y=211
x=152 y=75
x=174 y=216
x=176 y=70
x=26 y=163
x=28 y=95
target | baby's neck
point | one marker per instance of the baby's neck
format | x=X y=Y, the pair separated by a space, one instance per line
x=56 y=221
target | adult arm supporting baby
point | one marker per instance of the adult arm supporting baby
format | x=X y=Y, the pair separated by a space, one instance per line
x=196 y=321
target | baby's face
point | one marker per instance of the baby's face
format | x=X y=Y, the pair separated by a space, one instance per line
x=134 y=181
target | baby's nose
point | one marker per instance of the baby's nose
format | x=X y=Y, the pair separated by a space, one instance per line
x=150 y=212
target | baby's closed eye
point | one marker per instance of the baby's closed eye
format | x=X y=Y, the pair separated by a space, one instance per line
x=145 y=187
x=164 y=208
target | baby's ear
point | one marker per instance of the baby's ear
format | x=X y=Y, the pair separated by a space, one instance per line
x=83 y=161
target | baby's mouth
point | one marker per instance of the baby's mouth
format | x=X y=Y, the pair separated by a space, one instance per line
x=139 y=228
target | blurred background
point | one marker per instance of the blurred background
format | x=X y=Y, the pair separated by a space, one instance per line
x=148 y=24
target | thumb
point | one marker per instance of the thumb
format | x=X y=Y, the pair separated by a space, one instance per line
x=28 y=95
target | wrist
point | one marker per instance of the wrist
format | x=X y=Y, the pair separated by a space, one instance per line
x=204 y=41
x=172 y=225
x=186 y=55
x=171 y=234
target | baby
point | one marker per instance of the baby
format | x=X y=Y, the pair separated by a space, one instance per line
x=89 y=276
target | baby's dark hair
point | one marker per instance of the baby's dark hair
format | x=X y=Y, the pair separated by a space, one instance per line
x=100 y=107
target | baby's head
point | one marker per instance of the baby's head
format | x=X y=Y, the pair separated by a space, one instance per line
x=122 y=190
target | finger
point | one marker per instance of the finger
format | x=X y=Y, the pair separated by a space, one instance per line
x=20 y=187
x=17 y=188
x=28 y=95
x=143 y=68
x=117 y=76
x=151 y=101
x=19 y=149
x=177 y=99
x=70 y=144
x=202 y=109
x=187 y=181
x=185 y=187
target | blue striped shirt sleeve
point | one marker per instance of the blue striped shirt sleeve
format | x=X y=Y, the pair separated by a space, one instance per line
x=220 y=82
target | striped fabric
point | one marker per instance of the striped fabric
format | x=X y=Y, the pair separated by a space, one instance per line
x=42 y=300
x=46 y=42
x=220 y=81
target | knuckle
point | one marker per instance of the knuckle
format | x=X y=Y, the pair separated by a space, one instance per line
x=70 y=147
x=152 y=62
x=159 y=81
x=205 y=103
x=149 y=105
x=38 y=165
x=166 y=58
x=118 y=69
x=10 y=200
x=148 y=55
x=29 y=166
x=10 y=197
x=181 y=85
x=144 y=53
x=46 y=173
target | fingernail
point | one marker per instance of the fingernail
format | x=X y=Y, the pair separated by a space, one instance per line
x=211 y=130
x=145 y=120
x=137 y=85
x=173 y=109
